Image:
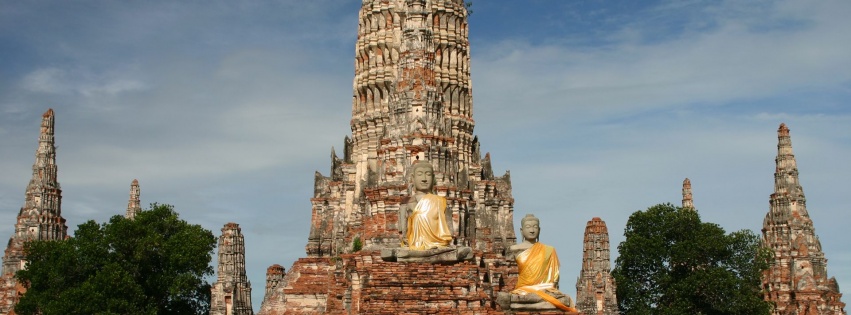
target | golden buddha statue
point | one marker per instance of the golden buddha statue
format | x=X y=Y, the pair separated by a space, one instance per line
x=427 y=218
x=425 y=224
x=538 y=266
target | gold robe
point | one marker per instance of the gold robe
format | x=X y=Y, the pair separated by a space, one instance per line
x=538 y=267
x=427 y=226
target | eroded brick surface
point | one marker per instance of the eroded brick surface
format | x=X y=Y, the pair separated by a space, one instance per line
x=231 y=293
x=797 y=281
x=595 y=287
x=39 y=219
x=412 y=101
x=361 y=283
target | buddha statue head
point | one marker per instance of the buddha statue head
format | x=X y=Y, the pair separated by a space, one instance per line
x=530 y=227
x=422 y=176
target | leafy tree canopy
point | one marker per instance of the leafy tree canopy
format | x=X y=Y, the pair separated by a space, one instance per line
x=672 y=263
x=154 y=264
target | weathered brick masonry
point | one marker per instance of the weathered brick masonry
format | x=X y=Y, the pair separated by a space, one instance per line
x=797 y=281
x=39 y=219
x=412 y=101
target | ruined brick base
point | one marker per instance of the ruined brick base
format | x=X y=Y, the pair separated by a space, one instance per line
x=362 y=283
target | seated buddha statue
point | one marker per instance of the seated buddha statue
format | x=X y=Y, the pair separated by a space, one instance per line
x=425 y=223
x=538 y=266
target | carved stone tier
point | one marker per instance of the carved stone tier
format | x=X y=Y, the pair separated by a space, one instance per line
x=434 y=255
x=547 y=312
x=363 y=283
x=532 y=302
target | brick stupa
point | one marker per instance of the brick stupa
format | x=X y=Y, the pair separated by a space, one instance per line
x=595 y=287
x=39 y=219
x=797 y=281
x=688 y=202
x=231 y=294
x=134 y=204
x=412 y=102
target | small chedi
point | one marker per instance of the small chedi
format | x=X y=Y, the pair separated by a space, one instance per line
x=39 y=219
x=134 y=205
x=231 y=294
x=595 y=286
x=797 y=281
x=538 y=265
x=688 y=201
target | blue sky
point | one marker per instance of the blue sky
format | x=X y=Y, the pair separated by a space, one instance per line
x=598 y=108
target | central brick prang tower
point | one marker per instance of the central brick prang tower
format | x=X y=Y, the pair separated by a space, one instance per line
x=412 y=101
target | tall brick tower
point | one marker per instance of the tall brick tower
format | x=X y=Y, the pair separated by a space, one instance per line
x=134 y=204
x=688 y=202
x=411 y=101
x=39 y=219
x=231 y=294
x=595 y=287
x=797 y=281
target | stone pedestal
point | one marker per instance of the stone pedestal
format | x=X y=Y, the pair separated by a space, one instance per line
x=363 y=283
x=531 y=303
x=434 y=255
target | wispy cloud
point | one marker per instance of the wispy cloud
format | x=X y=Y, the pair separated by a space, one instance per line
x=748 y=55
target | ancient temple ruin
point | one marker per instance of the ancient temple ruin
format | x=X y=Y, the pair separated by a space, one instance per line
x=412 y=102
x=134 y=205
x=39 y=219
x=595 y=286
x=797 y=281
x=231 y=294
x=688 y=202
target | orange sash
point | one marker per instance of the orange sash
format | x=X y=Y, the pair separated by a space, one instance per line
x=427 y=226
x=538 y=271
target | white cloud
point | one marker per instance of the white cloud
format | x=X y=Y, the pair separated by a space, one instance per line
x=112 y=87
x=46 y=80
x=54 y=80
x=731 y=62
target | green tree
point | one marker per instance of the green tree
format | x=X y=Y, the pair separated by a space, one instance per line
x=154 y=264
x=672 y=263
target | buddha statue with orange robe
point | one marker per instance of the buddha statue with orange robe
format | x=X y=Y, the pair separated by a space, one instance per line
x=427 y=225
x=538 y=266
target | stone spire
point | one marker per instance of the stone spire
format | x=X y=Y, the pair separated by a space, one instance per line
x=273 y=300
x=411 y=102
x=687 y=201
x=797 y=281
x=274 y=276
x=231 y=294
x=595 y=287
x=41 y=216
x=134 y=205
